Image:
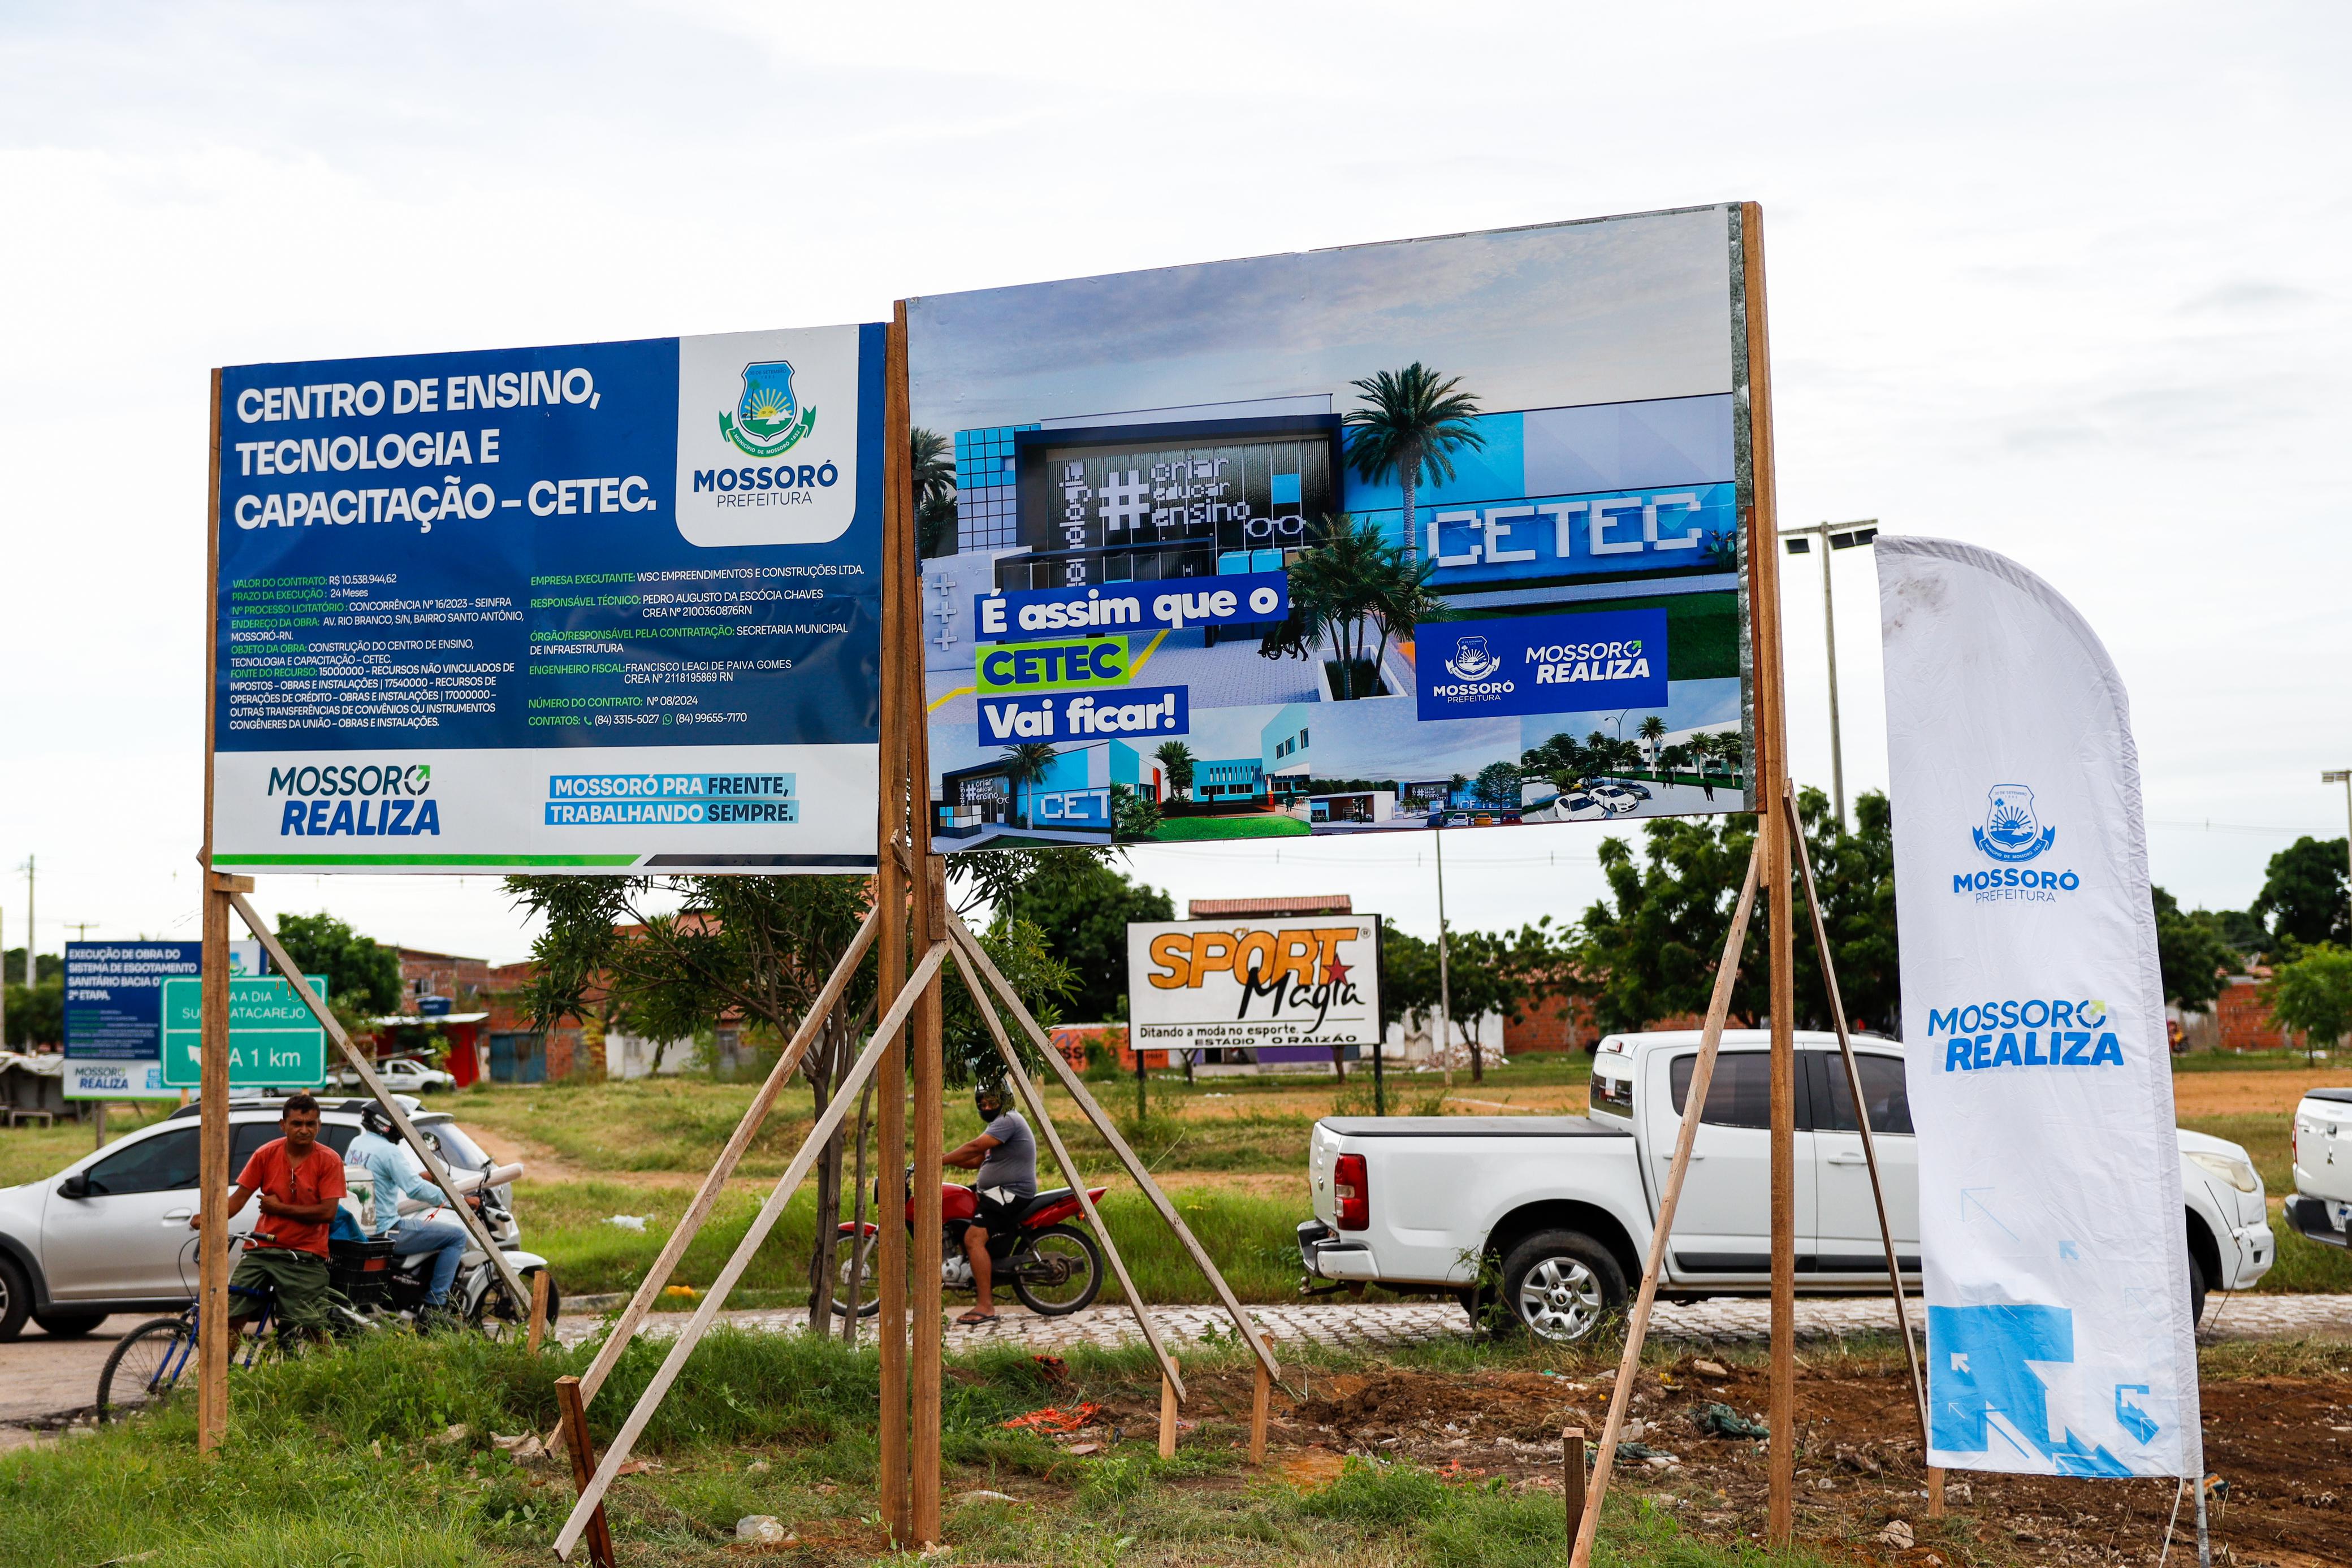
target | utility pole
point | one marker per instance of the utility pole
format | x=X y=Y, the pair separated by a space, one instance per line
x=32 y=975
x=1445 y=986
x=2343 y=775
x=1837 y=537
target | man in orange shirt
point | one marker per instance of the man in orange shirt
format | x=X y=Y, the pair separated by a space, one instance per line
x=300 y=1182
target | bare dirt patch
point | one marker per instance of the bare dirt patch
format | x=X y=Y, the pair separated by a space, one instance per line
x=2284 y=1444
x=2245 y=1093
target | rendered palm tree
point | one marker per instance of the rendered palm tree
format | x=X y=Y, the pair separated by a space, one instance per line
x=1177 y=757
x=933 y=463
x=1403 y=599
x=1026 y=764
x=1411 y=422
x=1652 y=731
x=1334 y=586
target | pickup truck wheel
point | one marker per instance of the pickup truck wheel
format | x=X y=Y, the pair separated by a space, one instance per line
x=1561 y=1284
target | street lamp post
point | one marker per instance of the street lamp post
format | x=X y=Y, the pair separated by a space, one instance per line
x=2343 y=775
x=1836 y=536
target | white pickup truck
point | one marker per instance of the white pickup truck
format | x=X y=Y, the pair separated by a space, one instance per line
x=1555 y=1212
x=2321 y=1208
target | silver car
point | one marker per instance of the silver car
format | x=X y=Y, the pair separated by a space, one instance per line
x=109 y=1232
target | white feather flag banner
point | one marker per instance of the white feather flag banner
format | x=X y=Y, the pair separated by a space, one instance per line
x=2050 y=1213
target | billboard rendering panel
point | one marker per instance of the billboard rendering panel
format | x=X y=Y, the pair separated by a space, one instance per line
x=1271 y=992
x=1195 y=582
x=608 y=607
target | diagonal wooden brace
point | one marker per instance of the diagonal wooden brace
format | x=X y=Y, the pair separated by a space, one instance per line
x=1637 y=1327
x=707 y=1312
x=714 y=1184
x=1861 y=1113
x=517 y=1290
x=1251 y=1335
x=1036 y=1101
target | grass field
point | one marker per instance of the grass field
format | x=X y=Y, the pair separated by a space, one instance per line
x=1232 y=1149
x=347 y=1457
x=1264 y=825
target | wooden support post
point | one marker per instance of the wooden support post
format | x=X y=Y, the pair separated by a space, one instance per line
x=573 y=1405
x=1694 y=1104
x=707 y=1311
x=517 y=1292
x=714 y=1184
x=924 y=1268
x=1033 y=1099
x=1571 y=1474
x=1869 y=1146
x=212 y=1052
x=538 y=1314
x=212 y=1246
x=1769 y=782
x=963 y=938
x=1261 y=1410
x=1168 y=1417
x=901 y=636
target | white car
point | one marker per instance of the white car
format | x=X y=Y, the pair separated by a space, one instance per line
x=1563 y=1207
x=109 y=1232
x=401 y=1075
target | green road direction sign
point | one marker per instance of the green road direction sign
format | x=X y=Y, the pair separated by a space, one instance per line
x=273 y=1040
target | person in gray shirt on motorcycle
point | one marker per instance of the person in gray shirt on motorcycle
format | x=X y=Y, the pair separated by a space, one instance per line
x=1005 y=1156
x=395 y=1179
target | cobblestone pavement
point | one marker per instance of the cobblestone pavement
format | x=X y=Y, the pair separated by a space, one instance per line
x=1721 y=1322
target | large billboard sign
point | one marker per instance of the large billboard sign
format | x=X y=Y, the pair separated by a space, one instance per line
x=1198 y=586
x=607 y=607
x=1289 y=990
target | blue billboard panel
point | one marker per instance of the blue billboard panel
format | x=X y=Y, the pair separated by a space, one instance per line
x=448 y=581
x=114 y=996
x=1337 y=520
x=1542 y=663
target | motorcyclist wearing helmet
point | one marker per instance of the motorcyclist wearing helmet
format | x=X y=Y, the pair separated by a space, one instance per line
x=396 y=1176
x=1005 y=1156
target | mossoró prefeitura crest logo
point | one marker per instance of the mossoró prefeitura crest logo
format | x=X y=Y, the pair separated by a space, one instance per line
x=2011 y=831
x=768 y=418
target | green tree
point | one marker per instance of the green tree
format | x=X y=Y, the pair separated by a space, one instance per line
x=2304 y=899
x=1412 y=424
x=2192 y=954
x=665 y=958
x=360 y=970
x=1026 y=765
x=2314 y=994
x=1498 y=784
x=2236 y=929
x=1177 y=757
x=1653 y=732
x=933 y=461
x=1134 y=817
x=1336 y=587
x=36 y=1014
x=52 y=967
x=1083 y=907
x=1502 y=972
x=1649 y=951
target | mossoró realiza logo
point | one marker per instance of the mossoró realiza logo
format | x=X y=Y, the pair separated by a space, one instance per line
x=2011 y=834
x=364 y=800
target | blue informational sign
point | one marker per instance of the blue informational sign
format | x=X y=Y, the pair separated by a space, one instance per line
x=452 y=586
x=114 y=996
x=1542 y=663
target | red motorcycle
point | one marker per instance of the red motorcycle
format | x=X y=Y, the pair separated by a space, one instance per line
x=1053 y=1267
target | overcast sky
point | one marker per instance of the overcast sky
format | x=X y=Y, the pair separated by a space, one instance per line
x=2067 y=282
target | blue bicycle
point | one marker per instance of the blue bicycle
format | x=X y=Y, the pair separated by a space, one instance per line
x=158 y=1359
